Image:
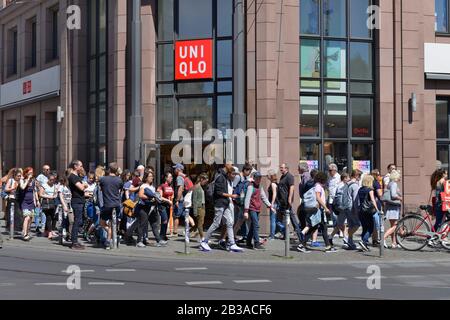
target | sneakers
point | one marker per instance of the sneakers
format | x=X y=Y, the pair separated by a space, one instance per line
x=363 y=246
x=241 y=240
x=259 y=246
x=204 y=246
x=77 y=246
x=140 y=245
x=303 y=249
x=26 y=237
x=223 y=245
x=161 y=243
x=235 y=248
x=107 y=245
x=331 y=250
x=315 y=244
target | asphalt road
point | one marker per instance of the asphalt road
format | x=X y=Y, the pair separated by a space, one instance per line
x=33 y=273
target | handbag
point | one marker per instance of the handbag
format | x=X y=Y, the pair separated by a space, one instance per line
x=387 y=198
x=48 y=204
x=367 y=205
x=315 y=218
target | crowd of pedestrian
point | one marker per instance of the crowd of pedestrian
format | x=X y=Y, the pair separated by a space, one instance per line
x=85 y=204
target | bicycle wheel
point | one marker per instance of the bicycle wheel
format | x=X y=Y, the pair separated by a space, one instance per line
x=412 y=233
x=444 y=231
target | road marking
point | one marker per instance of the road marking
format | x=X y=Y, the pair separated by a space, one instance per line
x=106 y=283
x=333 y=279
x=194 y=283
x=120 y=270
x=7 y=284
x=414 y=276
x=187 y=269
x=415 y=265
x=252 y=281
x=367 y=277
x=51 y=284
x=65 y=271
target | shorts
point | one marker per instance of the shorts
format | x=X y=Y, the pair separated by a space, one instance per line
x=106 y=213
x=341 y=218
x=352 y=218
x=28 y=213
x=178 y=210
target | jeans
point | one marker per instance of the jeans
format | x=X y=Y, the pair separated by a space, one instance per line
x=376 y=221
x=439 y=217
x=367 y=223
x=78 y=209
x=39 y=218
x=222 y=214
x=276 y=224
x=254 y=228
x=50 y=220
x=163 y=212
x=140 y=223
x=153 y=218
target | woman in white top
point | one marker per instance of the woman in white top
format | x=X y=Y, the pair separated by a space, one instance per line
x=48 y=192
x=11 y=189
x=393 y=210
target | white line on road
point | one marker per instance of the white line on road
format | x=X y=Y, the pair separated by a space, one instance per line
x=195 y=283
x=7 y=284
x=51 y=284
x=188 y=269
x=252 y=281
x=333 y=279
x=367 y=277
x=120 y=270
x=106 y=283
x=65 y=271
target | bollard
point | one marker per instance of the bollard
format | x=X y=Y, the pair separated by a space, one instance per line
x=60 y=223
x=381 y=233
x=186 y=233
x=287 y=242
x=11 y=220
x=114 y=244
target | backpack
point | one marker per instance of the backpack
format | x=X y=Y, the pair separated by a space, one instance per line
x=309 y=199
x=343 y=200
x=128 y=208
x=366 y=206
x=209 y=194
x=241 y=191
x=188 y=185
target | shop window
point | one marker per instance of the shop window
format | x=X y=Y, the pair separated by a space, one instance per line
x=309 y=116
x=361 y=109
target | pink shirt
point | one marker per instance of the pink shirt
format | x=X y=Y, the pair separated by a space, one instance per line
x=318 y=188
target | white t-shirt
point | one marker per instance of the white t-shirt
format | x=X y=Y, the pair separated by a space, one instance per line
x=50 y=191
x=42 y=179
x=91 y=187
x=318 y=188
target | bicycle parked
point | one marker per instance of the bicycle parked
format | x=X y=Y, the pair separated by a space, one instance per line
x=415 y=231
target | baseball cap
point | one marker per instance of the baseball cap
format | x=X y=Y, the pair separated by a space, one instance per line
x=236 y=170
x=257 y=174
x=178 y=166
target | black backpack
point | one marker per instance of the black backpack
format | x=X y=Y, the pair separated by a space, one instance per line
x=209 y=193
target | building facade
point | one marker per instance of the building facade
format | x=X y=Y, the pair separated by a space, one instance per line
x=336 y=90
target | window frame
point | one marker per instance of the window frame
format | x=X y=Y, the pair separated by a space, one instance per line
x=444 y=141
x=443 y=33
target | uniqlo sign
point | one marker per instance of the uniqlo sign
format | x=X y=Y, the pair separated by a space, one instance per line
x=194 y=59
x=27 y=87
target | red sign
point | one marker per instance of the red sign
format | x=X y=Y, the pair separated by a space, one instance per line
x=194 y=59
x=27 y=87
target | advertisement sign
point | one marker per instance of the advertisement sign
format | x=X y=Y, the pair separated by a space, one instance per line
x=362 y=165
x=194 y=59
x=312 y=164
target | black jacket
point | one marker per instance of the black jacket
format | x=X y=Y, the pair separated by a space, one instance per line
x=221 y=187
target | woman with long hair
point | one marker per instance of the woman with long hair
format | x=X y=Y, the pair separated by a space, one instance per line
x=437 y=183
x=48 y=193
x=167 y=193
x=11 y=189
x=28 y=200
x=393 y=210
x=368 y=207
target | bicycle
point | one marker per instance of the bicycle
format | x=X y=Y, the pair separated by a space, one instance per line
x=415 y=231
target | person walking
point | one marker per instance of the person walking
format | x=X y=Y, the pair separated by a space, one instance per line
x=367 y=208
x=342 y=201
x=39 y=217
x=11 y=193
x=393 y=208
x=28 y=201
x=253 y=202
x=378 y=191
x=223 y=207
x=386 y=179
x=77 y=188
x=198 y=205
x=166 y=192
x=241 y=184
x=276 y=221
x=48 y=193
x=182 y=186
x=334 y=179
x=438 y=179
x=111 y=187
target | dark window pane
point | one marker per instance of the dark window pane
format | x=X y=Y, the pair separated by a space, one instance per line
x=102 y=26
x=102 y=73
x=190 y=110
x=335 y=86
x=335 y=59
x=441 y=13
x=93 y=26
x=361 y=60
x=358 y=18
x=309 y=153
x=442 y=119
x=165 y=62
x=93 y=78
x=195 y=87
x=164 y=114
x=165 y=88
x=165 y=19
x=335 y=152
x=224 y=59
x=361 y=117
x=224 y=18
x=225 y=86
x=335 y=122
x=309 y=116
x=334 y=18
x=224 y=110
x=195 y=19
x=442 y=156
x=310 y=58
x=309 y=16
x=362 y=157
x=361 y=88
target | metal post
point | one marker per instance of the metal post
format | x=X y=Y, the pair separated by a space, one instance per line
x=186 y=228
x=381 y=233
x=11 y=220
x=287 y=242
x=114 y=230
x=135 y=132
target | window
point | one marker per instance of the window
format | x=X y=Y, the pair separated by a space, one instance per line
x=52 y=34
x=336 y=83
x=442 y=130
x=180 y=103
x=441 y=14
x=98 y=82
x=31 y=43
x=12 y=52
